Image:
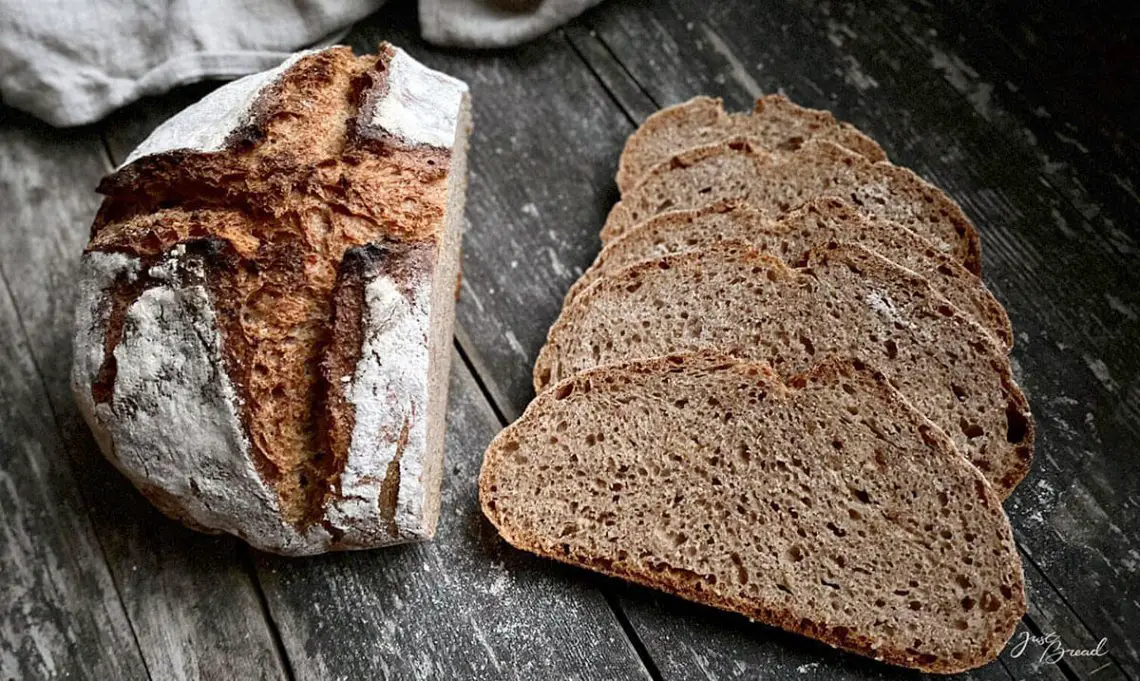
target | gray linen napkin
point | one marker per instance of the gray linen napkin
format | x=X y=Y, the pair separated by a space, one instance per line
x=71 y=62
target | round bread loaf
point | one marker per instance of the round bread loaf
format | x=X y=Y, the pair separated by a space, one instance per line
x=265 y=313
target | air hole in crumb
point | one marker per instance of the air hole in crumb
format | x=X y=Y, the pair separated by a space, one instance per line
x=968 y=603
x=795 y=553
x=564 y=391
x=861 y=495
x=990 y=602
x=1018 y=424
x=959 y=392
x=892 y=349
x=970 y=430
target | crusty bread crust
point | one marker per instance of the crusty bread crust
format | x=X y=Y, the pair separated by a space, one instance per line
x=698 y=588
x=789 y=236
x=775 y=122
x=323 y=194
x=741 y=169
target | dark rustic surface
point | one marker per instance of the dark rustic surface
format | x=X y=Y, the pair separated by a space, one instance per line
x=1024 y=119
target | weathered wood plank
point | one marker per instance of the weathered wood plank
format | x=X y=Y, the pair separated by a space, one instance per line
x=1065 y=72
x=463 y=606
x=1054 y=285
x=190 y=602
x=61 y=616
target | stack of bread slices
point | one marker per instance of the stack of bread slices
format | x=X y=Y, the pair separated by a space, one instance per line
x=781 y=389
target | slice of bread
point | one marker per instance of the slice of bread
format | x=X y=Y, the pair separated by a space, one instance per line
x=742 y=170
x=817 y=222
x=828 y=507
x=775 y=123
x=847 y=301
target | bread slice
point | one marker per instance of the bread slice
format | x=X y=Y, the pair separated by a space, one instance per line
x=775 y=123
x=742 y=170
x=848 y=301
x=828 y=506
x=819 y=221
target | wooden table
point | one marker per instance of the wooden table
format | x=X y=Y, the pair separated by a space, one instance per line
x=95 y=584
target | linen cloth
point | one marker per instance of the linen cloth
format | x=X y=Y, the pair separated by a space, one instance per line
x=71 y=62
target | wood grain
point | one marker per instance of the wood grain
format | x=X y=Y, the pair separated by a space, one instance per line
x=190 y=603
x=463 y=606
x=61 y=615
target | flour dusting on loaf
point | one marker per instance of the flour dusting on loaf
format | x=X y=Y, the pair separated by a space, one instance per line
x=207 y=125
x=420 y=106
x=263 y=333
x=393 y=370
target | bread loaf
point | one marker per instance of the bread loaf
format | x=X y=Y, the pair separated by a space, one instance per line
x=774 y=123
x=828 y=506
x=790 y=236
x=775 y=183
x=846 y=300
x=266 y=303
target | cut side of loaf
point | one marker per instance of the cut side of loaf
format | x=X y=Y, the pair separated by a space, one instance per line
x=774 y=123
x=817 y=222
x=846 y=301
x=827 y=506
x=265 y=319
x=742 y=170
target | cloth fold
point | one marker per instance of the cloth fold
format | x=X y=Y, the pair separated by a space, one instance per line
x=71 y=62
